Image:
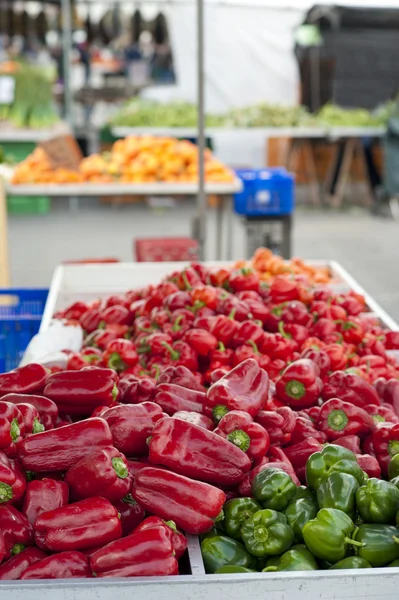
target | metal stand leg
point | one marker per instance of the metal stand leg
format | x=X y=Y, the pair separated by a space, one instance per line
x=286 y=245
x=219 y=227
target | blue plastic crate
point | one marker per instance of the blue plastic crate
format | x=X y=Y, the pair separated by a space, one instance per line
x=20 y=316
x=265 y=192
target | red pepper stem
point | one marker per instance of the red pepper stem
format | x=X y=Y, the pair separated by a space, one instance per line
x=128 y=499
x=221 y=347
x=176 y=323
x=14 y=430
x=253 y=346
x=5 y=492
x=119 y=467
x=115 y=362
x=282 y=331
x=157 y=371
x=172 y=525
x=295 y=389
x=393 y=447
x=174 y=354
x=232 y=314
x=101 y=325
x=219 y=411
x=354 y=542
x=17 y=548
x=37 y=426
x=186 y=281
x=115 y=392
x=337 y=420
x=240 y=439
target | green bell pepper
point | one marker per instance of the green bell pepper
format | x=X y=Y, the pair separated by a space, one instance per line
x=298 y=558
x=395 y=481
x=327 y=536
x=393 y=467
x=380 y=544
x=330 y=460
x=377 y=501
x=298 y=513
x=236 y=512
x=267 y=533
x=352 y=562
x=304 y=492
x=233 y=569
x=274 y=489
x=338 y=491
x=220 y=551
x=395 y=563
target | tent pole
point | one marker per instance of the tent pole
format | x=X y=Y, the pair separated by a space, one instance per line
x=201 y=201
x=66 y=12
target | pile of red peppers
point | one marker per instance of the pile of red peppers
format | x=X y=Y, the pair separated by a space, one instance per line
x=181 y=395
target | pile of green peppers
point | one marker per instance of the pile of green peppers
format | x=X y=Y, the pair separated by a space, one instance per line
x=341 y=520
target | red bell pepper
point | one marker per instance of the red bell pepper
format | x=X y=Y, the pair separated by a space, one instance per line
x=195 y=418
x=392 y=340
x=172 y=496
x=180 y=376
x=59 y=449
x=182 y=354
x=300 y=385
x=100 y=338
x=85 y=524
x=103 y=473
x=385 y=442
x=337 y=355
x=382 y=414
x=12 y=481
x=224 y=328
x=75 y=311
x=16 y=565
x=65 y=565
x=142 y=554
x=311 y=413
x=299 y=453
x=351 y=442
x=47 y=409
x=31 y=418
x=196 y=452
x=172 y=398
x=177 y=538
x=30 y=379
x=390 y=394
x=201 y=341
x=134 y=390
x=369 y=464
x=352 y=331
x=131 y=425
x=244 y=279
x=131 y=513
x=239 y=428
x=87 y=356
x=245 y=387
x=247 y=330
x=120 y=354
x=91 y=319
x=283 y=289
x=304 y=428
x=119 y=315
x=43 y=495
x=79 y=392
x=279 y=424
x=321 y=358
x=350 y=388
x=12 y=428
x=16 y=529
x=245 y=487
x=222 y=355
x=153 y=343
x=338 y=418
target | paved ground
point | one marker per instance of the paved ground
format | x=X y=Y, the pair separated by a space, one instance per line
x=368 y=247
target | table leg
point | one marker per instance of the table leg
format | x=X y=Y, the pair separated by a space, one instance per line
x=287 y=230
x=311 y=173
x=4 y=264
x=219 y=227
x=347 y=159
x=229 y=235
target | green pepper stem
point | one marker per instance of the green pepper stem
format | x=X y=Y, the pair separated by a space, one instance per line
x=232 y=314
x=354 y=542
x=220 y=517
x=176 y=323
x=221 y=347
x=119 y=467
x=240 y=439
x=14 y=430
x=37 y=426
x=17 y=548
x=282 y=331
x=254 y=346
x=172 y=525
x=269 y=569
x=128 y=499
x=395 y=539
x=115 y=392
x=116 y=363
x=174 y=354
x=5 y=492
x=295 y=389
x=186 y=281
x=219 y=411
x=337 y=420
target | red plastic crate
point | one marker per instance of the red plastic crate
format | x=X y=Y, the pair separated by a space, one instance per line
x=165 y=249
